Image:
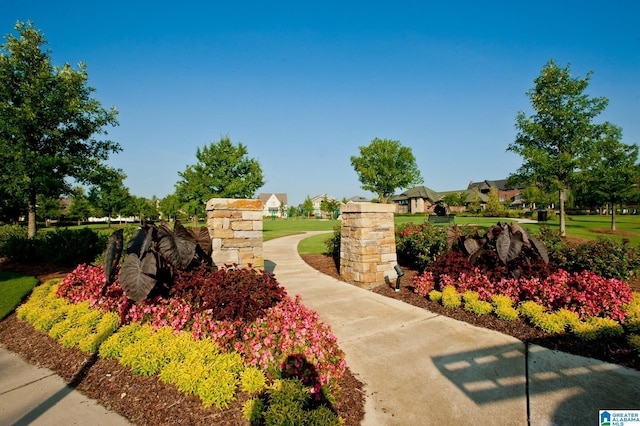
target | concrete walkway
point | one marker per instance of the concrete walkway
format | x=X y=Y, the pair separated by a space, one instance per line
x=420 y=368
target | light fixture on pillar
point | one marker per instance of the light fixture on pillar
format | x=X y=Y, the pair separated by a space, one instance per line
x=399 y=273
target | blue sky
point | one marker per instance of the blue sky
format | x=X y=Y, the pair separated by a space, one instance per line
x=304 y=84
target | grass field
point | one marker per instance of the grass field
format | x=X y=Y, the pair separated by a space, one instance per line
x=13 y=288
x=586 y=227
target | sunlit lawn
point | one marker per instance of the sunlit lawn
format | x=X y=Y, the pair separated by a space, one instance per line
x=13 y=288
x=577 y=226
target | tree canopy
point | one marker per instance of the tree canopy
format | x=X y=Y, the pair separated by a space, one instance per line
x=612 y=172
x=49 y=122
x=555 y=141
x=223 y=170
x=384 y=166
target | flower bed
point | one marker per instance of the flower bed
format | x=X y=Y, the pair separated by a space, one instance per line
x=278 y=342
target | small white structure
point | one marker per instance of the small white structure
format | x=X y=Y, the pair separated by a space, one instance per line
x=274 y=204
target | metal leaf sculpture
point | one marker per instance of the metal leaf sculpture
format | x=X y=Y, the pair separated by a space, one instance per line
x=138 y=276
x=177 y=247
x=112 y=255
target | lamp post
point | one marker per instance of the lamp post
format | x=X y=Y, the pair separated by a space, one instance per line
x=400 y=273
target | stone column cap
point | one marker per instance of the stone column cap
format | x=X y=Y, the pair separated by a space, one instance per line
x=234 y=204
x=367 y=208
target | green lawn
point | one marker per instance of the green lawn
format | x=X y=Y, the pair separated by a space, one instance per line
x=283 y=227
x=13 y=288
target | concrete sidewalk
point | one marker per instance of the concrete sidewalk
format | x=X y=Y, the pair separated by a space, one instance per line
x=31 y=395
x=420 y=368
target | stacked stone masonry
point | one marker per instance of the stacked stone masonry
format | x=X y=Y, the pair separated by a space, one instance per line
x=235 y=226
x=367 y=244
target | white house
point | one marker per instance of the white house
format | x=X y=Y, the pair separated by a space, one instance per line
x=316 y=203
x=274 y=204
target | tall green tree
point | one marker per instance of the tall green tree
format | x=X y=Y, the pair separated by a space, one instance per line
x=534 y=195
x=49 y=208
x=554 y=141
x=144 y=209
x=80 y=208
x=493 y=201
x=49 y=122
x=169 y=206
x=307 y=206
x=223 y=170
x=329 y=206
x=384 y=166
x=455 y=199
x=613 y=171
x=111 y=198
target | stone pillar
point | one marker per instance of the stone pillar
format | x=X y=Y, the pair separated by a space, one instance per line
x=367 y=244
x=235 y=226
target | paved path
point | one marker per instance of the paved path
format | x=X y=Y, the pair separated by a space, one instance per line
x=420 y=368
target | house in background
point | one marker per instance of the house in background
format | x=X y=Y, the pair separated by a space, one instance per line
x=317 y=211
x=416 y=200
x=422 y=199
x=506 y=194
x=274 y=205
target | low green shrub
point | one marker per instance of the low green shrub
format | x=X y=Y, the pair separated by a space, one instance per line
x=124 y=337
x=419 y=245
x=632 y=320
x=252 y=410
x=252 y=380
x=149 y=354
x=553 y=322
x=435 y=296
x=107 y=325
x=506 y=313
x=450 y=297
x=470 y=296
x=634 y=341
x=503 y=307
x=322 y=416
x=530 y=309
x=65 y=247
x=478 y=307
x=596 y=327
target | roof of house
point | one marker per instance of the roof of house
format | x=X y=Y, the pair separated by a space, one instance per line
x=319 y=198
x=358 y=199
x=264 y=197
x=500 y=185
x=418 y=192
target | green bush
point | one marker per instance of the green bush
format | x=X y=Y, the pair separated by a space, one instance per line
x=595 y=327
x=503 y=307
x=252 y=380
x=419 y=245
x=62 y=247
x=450 y=297
x=332 y=244
x=435 y=296
x=478 y=307
x=605 y=257
x=634 y=341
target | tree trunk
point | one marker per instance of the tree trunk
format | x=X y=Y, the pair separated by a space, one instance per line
x=613 y=215
x=561 y=196
x=31 y=216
